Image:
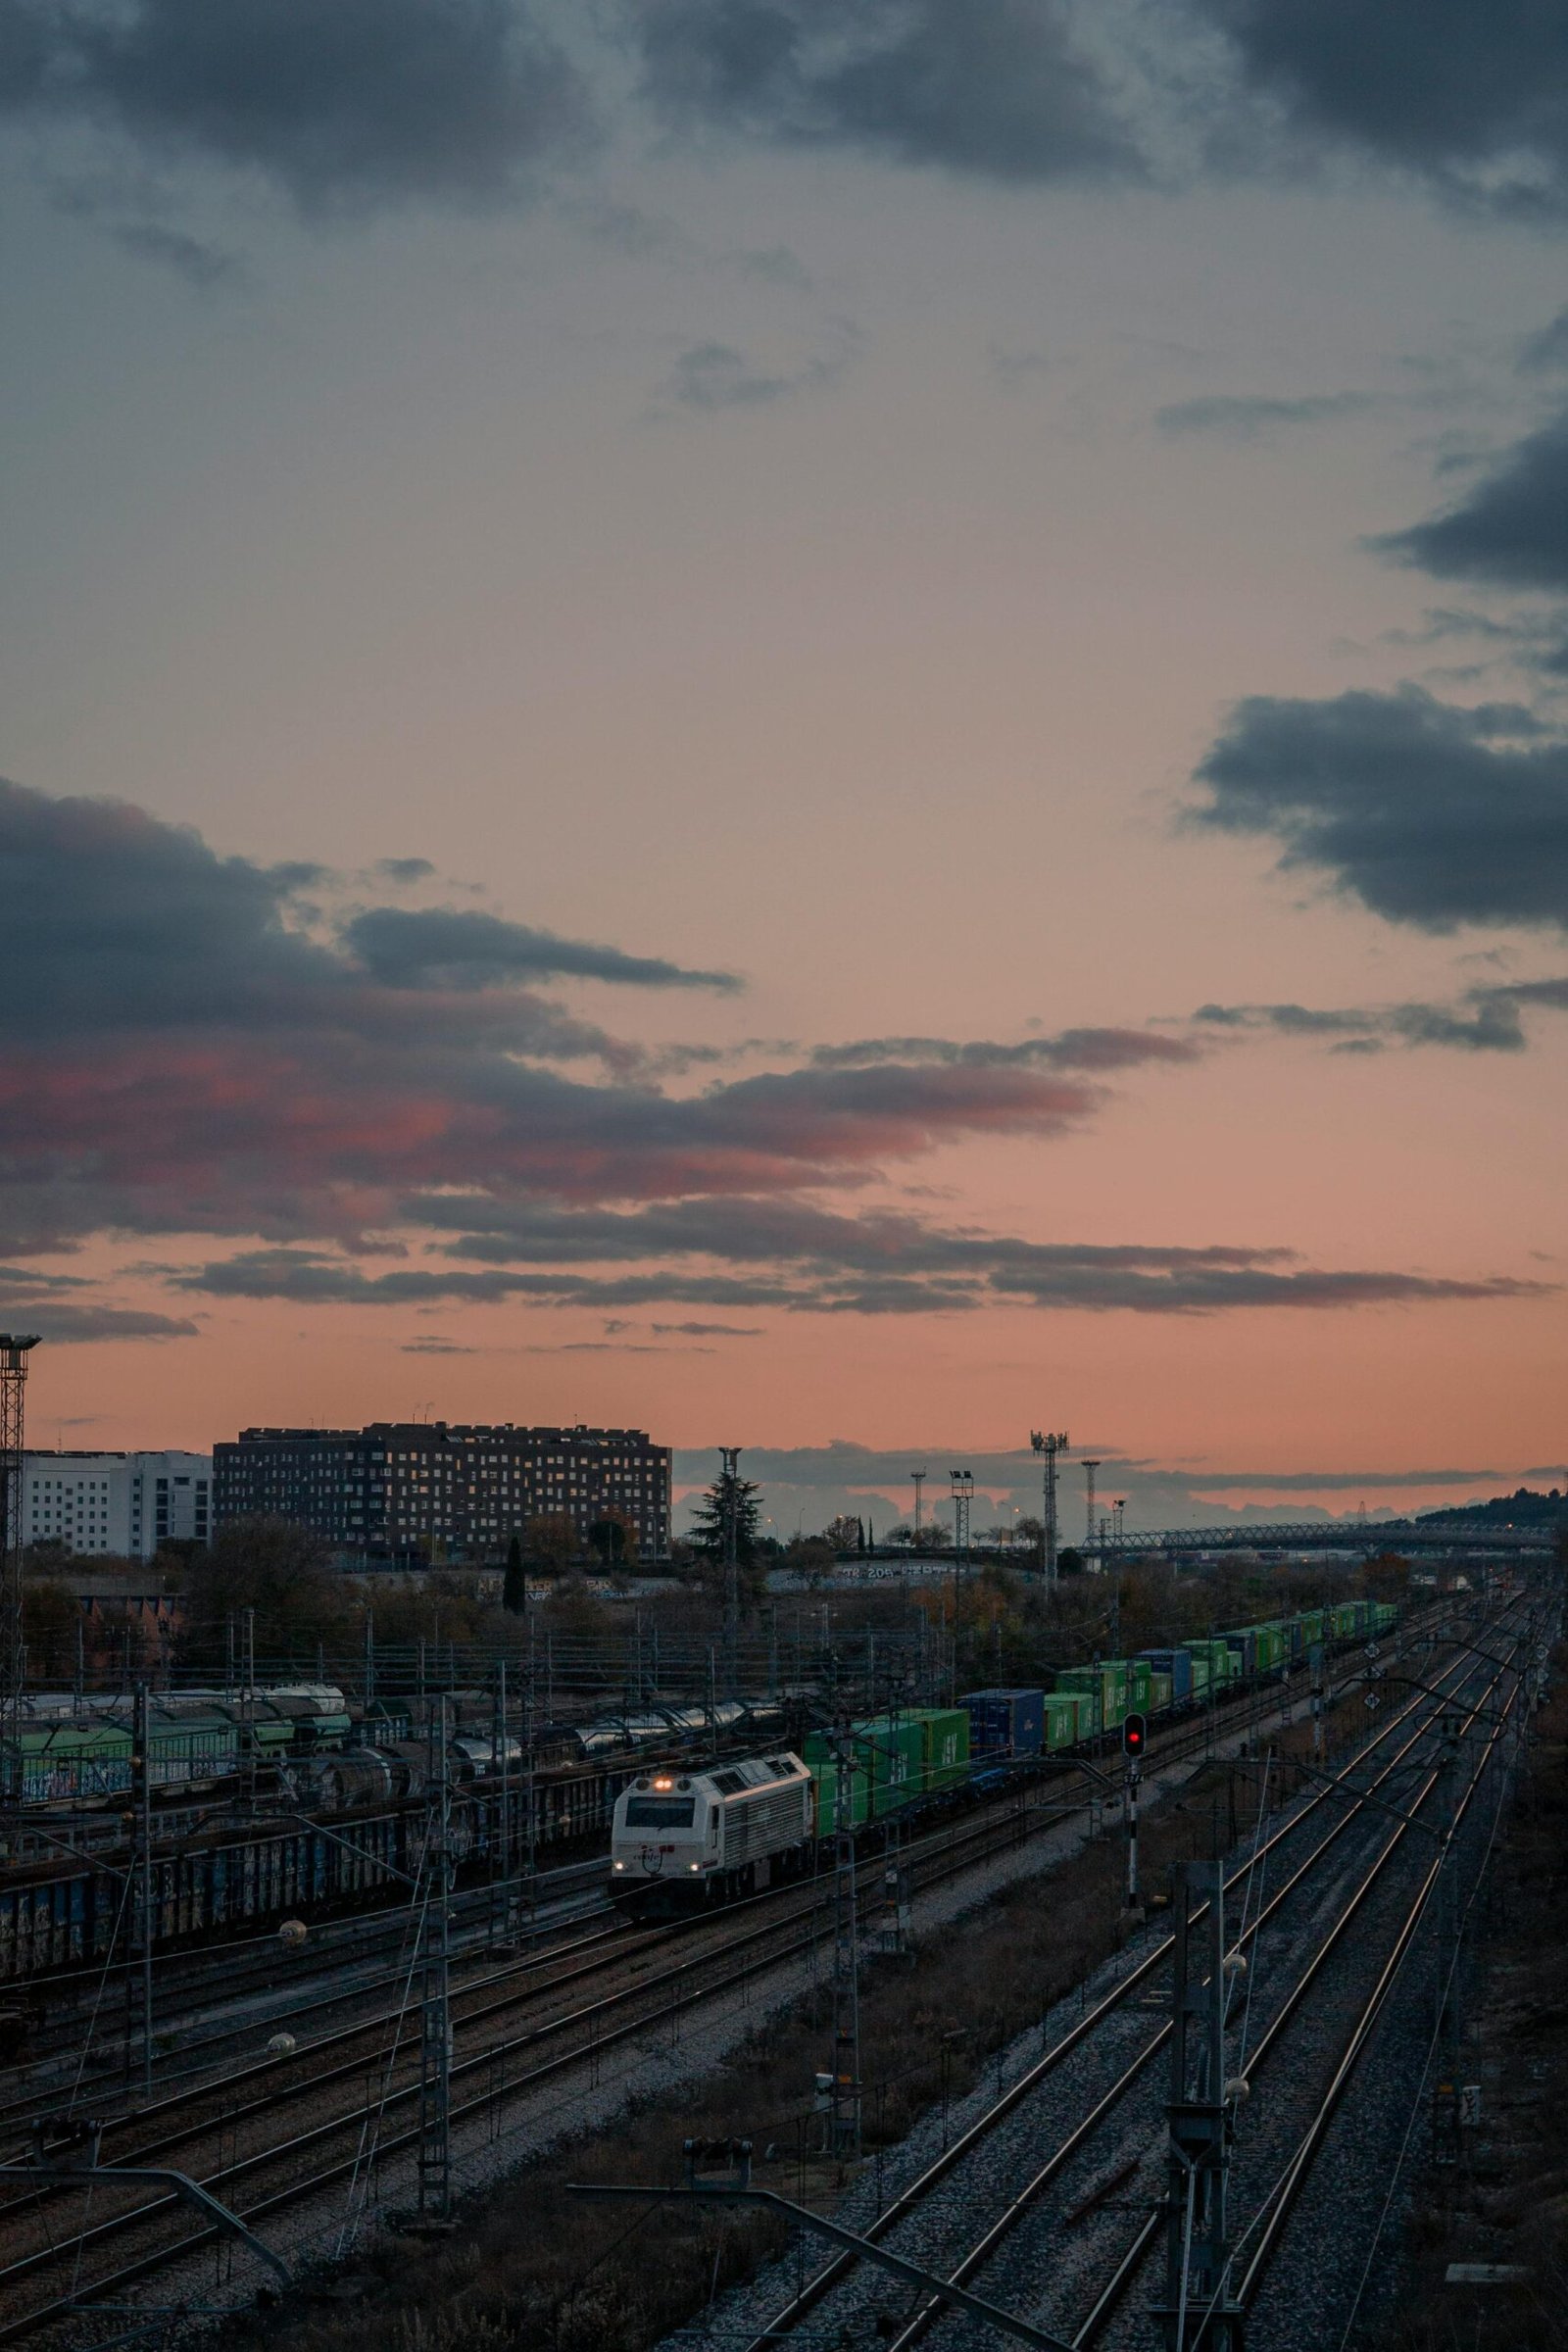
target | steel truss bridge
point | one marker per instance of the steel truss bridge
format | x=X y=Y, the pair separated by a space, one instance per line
x=1403 y=1536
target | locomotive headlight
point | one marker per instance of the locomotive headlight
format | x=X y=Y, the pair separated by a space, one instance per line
x=694 y=1866
x=617 y=1865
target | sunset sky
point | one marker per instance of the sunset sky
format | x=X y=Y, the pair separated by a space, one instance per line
x=819 y=727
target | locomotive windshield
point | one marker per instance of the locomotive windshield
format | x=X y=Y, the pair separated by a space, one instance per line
x=661 y=1812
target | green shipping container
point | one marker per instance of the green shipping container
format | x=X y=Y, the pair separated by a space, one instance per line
x=891 y=1753
x=1159 y=1692
x=1139 y=1679
x=944 y=1732
x=1085 y=1698
x=832 y=1803
x=1198 y=1651
x=1063 y=1711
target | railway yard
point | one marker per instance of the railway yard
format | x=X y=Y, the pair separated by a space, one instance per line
x=1007 y=2131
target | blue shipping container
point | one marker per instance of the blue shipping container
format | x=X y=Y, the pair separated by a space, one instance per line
x=1245 y=1647
x=1006 y=1723
x=1178 y=1664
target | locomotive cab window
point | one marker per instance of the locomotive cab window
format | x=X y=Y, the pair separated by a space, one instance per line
x=661 y=1812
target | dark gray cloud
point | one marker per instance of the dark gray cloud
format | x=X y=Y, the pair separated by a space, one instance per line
x=64 y=1324
x=405 y=870
x=1512 y=530
x=710 y=1331
x=442 y=947
x=1483 y=1021
x=199 y=1044
x=119 y=921
x=1431 y=813
x=868 y=1266
x=1068 y=1049
x=994 y=87
x=1547 y=350
x=1474 y=98
x=199 y=263
x=1240 y=418
x=352 y=104
x=716 y=375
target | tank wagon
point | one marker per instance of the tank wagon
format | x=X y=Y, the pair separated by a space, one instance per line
x=319 y=1761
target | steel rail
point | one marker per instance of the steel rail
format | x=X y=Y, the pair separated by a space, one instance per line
x=488 y=2059
x=1139 y=2249
x=1282 y=2198
x=1180 y=1739
x=814 y=2289
x=985 y=2247
x=957 y=1857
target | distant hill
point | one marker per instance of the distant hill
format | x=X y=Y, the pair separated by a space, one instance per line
x=1523 y=1508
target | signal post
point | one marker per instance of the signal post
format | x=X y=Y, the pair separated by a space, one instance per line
x=1134 y=1740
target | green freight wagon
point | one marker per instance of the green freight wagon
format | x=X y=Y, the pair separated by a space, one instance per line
x=1198 y=1651
x=1159 y=1692
x=1084 y=1700
x=67 y=1762
x=1272 y=1646
x=1223 y=1662
x=944 y=1734
x=1108 y=1683
x=891 y=1749
x=1138 y=1686
x=843 y=1800
x=1064 y=1709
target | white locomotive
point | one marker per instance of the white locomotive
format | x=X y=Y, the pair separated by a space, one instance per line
x=682 y=1840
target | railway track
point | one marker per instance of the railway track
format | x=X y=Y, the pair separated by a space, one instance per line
x=513 y=2037
x=212 y=2009
x=1097 y=2096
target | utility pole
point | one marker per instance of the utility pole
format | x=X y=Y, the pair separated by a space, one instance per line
x=845 y=2108
x=1198 y=2308
x=920 y=1478
x=1133 y=1733
x=1048 y=1443
x=1091 y=1532
x=435 y=2012
x=247 y=1706
x=14 y=1348
x=141 y=1767
x=963 y=1485
x=730 y=1456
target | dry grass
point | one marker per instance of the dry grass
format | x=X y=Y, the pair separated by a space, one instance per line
x=534 y=2266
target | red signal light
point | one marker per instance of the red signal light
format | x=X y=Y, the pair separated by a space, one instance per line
x=1134 y=1735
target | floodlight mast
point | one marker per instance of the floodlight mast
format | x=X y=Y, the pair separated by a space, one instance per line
x=14 y=1348
x=1048 y=1443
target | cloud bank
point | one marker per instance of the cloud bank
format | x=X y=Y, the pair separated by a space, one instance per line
x=342 y=105
x=372 y=1105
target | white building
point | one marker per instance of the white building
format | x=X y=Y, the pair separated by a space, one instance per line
x=124 y=1503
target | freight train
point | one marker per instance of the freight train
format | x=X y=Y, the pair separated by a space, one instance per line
x=363 y=1769
x=683 y=1839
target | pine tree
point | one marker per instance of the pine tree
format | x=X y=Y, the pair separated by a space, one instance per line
x=514 y=1588
x=708 y=1536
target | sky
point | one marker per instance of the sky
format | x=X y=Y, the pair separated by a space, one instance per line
x=826 y=727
